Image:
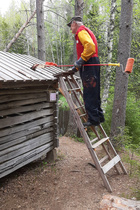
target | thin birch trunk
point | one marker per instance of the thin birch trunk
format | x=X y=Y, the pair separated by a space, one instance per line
x=72 y=128
x=109 y=57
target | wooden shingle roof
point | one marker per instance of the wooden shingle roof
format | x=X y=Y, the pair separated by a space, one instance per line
x=17 y=68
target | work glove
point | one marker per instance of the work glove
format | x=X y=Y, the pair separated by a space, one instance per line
x=78 y=64
x=74 y=69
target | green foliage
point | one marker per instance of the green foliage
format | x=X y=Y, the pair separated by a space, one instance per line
x=136 y=193
x=132 y=159
x=77 y=139
x=63 y=103
x=130 y=136
x=9 y=27
x=4 y=32
x=20 y=46
x=133 y=118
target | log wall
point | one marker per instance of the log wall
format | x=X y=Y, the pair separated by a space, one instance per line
x=28 y=127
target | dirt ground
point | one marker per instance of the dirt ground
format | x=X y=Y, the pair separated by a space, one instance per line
x=70 y=183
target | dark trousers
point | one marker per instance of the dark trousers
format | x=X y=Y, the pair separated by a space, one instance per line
x=90 y=76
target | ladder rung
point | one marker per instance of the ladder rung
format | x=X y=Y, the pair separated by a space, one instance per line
x=94 y=140
x=111 y=164
x=79 y=107
x=103 y=159
x=74 y=89
x=82 y=115
x=99 y=142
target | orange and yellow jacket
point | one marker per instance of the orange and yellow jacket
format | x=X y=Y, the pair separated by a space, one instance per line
x=86 y=43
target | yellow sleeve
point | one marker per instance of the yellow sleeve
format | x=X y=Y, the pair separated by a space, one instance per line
x=88 y=44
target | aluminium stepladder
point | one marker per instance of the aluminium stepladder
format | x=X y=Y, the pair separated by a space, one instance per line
x=70 y=88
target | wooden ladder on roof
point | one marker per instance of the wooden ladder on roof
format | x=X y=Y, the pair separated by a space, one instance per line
x=109 y=159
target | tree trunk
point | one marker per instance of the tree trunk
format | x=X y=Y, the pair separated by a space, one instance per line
x=72 y=128
x=40 y=30
x=79 y=5
x=109 y=58
x=121 y=84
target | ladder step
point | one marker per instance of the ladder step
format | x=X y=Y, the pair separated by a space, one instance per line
x=103 y=159
x=79 y=107
x=74 y=89
x=99 y=142
x=111 y=164
x=94 y=140
x=82 y=115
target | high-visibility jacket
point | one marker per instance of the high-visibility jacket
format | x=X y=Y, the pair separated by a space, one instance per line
x=86 y=43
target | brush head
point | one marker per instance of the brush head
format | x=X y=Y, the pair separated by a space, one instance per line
x=129 y=65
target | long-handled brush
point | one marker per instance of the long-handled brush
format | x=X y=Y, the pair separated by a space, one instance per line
x=128 y=68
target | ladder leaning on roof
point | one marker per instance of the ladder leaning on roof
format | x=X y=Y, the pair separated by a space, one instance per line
x=70 y=88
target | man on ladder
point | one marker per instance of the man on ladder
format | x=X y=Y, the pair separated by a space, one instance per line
x=87 y=53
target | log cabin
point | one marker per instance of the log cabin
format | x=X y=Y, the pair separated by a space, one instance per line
x=28 y=111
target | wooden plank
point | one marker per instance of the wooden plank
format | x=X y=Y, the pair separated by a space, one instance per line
x=15 y=161
x=20 y=103
x=99 y=142
x=24 y=159
x=8 y=98
x=18 y=150
x=10 y=121
x=27 y=108
x=111 y=164
x=22 y=138
x=93 y=140
x=103 y=159
x=43 y=137
x=27 y=90
x=17 y=84
x=25 y=126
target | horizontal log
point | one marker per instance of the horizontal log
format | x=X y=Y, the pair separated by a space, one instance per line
x=21 y=103
x=111 y=164
x=21 y=91
x=20 y=128
x=25 y=84
x=23 y=137
x=24 y=109
x=25 y=159
x=19 y=97
x=115 y=202
x=19 y=159
x=10 y=121
x=18 y=150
